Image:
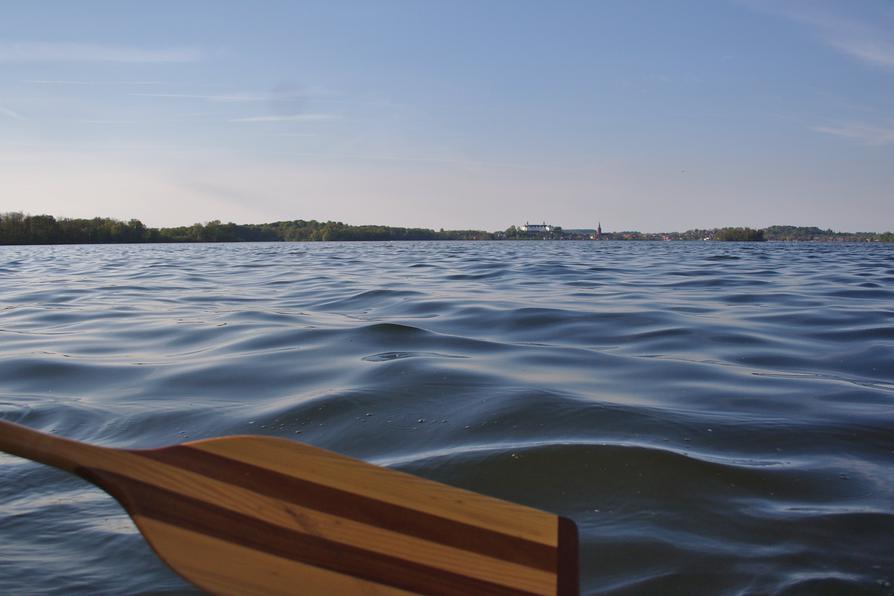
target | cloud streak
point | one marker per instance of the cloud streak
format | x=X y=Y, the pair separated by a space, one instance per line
x=272 y=97
x=88 y=52
x=90 y=83
x=869 y=42
x=219 y=98
x=10 y=113
x=415 y=159
x=867 y=134
x=109 y=121
x=878 y=52
x=288 y=118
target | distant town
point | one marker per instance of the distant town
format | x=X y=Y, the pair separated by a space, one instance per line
x=545 y=231
x=19 y=228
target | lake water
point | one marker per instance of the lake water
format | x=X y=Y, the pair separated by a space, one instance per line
x=717 y=418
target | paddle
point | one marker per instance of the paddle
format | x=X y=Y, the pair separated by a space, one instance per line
x=262 y=515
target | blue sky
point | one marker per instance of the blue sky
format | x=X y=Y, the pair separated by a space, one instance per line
x=642 y=115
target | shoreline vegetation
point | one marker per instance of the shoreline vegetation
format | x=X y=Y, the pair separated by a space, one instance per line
x=20 y=229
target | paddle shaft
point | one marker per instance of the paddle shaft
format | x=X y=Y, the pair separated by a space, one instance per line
x=58 y=452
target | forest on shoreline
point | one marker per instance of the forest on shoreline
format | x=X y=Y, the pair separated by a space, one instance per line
x=18 y=229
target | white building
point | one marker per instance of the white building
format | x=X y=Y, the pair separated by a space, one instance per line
x=544 y=227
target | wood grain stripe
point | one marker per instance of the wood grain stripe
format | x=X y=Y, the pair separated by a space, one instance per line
x=567 y=573
x=332 y=527
x=224 y=568
x=145 y=500
x=356 y=477
x=335 y=528
x=359 y=508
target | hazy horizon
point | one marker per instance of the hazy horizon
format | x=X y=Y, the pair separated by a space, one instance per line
x=639 y=115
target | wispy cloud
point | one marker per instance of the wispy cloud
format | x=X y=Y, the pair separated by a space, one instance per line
x=413 y=159
x=879 y=52
x=10 y=113
x=88 y=52
x=860 y=132
x=288 y=118
x=296 y=134
x=871 y=42
x=113 y=122
x=99 y=83
x=276 y=96
x=218 y=98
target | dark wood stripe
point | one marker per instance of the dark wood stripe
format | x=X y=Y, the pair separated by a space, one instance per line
x=568 y=571
x=150 y=501
x=359 y=508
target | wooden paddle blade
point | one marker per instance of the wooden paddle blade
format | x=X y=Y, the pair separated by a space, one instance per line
x=260 y=515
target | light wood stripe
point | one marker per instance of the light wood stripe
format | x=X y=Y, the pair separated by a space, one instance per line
x=148 y=501
x=359 y=508
x=334 y=470
x=245 y=571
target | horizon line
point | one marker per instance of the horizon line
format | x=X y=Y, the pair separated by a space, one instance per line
x=463 y=229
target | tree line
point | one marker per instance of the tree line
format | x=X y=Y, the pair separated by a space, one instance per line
x=18 y=228
x=805 y=234
x=739 y=235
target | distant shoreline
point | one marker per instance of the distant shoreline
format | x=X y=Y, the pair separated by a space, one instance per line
x=20 y=229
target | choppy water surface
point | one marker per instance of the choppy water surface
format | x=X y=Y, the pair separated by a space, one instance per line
x=717 y=418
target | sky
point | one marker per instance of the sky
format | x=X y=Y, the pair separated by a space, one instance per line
x=641 y=115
